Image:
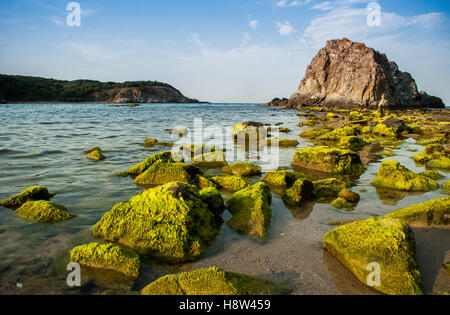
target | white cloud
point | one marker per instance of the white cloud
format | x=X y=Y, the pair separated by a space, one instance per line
x=194 y=39
x=254 y=24
x=91 y=51
x=285 y=28
x=294 y=3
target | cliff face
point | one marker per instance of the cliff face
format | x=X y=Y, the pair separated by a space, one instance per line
x=154 y=94
x=348 y=74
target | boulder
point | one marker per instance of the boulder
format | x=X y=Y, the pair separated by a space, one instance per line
x=140 y=168
x=161 y=173
x=30 y=194
x=329 y=160
x=348 y=74
x=393 y=175
x=349 y=195
x=391 y=128
x=213 y=198
x=341 y=203
x=243 y=169
x=43 y=211
x=434 y=212
x=254 y=130
x=434 y=156
x=231 y=183
x=251 y=210
x=210 y=160
x=212 y=281
x=109 y=257
x=301 y=191
x=328 y=188
x=389 y=243
x=281 y=178
x=171 y=223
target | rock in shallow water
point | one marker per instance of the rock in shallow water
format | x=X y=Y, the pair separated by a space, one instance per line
x=212 y=281
x=251 y=210
x=170 y=222
x=30 y=194
x=108 y=256
x=393 y=175
x=161 y=173
x=386 y=242
x=43 y=211
x=243 y=169
x=301 y=191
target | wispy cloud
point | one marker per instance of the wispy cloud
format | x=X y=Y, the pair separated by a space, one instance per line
x=292 y=3
x=195 y=39
x=91 y=51
x=254 y=24
x=285 y=28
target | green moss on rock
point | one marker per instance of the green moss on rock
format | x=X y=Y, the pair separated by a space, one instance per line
x=315 y=133
x=281 y=178
x=232 y=183
x=169 y=222
x=213 y=198
x=434 y=212
x=254 y=130
x=432 y=174
x=349 y=195
x=328 y=188
x=108 y=256
x=393 y=175
x=434 y=156
x=384 y=131
x=339 y=133
x=282 y=143
x=150 y=142
x=203 y=182
x=446 y=187
x=95 y=154
x=140 y=168
x=43 y=211
x=341 y=203
x=161 y=173
x=30 y=194
x=387 y=242
x=329 y=160
x=251 y=210
x=301 y=191
x=210 y=160
x=243 y=169
x=212 y=281
x=353 y=143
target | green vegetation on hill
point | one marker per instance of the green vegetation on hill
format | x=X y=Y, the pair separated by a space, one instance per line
x=15 y=88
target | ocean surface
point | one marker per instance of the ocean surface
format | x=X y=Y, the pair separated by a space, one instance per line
x=43 y=144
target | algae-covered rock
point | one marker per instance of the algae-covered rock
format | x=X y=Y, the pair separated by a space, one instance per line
x=434 y=156
x=353 y=143
x=243 y=169
x=386 y=242
x=210 y=160
x=391 y=128
x=30 y=194
x=251 y=210
x=282 y=143
x=108 y=256
x=203 y=182
x=150 y=142
x=432 y=174
x=349 y=195
x=95 y=154
x=387 y=153
x=253 y=129
x=213 y=198
x=446 y=187
x=393 y=175
x=212 y=281
x=328 y=188
x=315 y=133
x=281 y=178
x=144 y=165
x=341 y=203
x=231 y=183
x=169 y=222
x=434 y=212
x=329 y=160
x=339 y=133
x=161 y=173
x=43 y=211
x=301 y=191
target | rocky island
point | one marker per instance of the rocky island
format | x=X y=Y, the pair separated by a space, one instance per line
x=346 y=74
x=22 y=89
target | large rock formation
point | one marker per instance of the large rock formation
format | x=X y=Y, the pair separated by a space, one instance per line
x=348 y=74
x=146 y=94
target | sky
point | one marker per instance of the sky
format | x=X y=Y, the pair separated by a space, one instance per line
x=219 y=50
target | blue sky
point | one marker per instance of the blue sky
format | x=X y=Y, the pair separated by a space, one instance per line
x=218 y=50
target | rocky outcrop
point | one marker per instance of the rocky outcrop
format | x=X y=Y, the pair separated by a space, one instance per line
x=348 y=74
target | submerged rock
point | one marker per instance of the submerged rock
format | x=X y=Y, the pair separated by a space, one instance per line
x=434 y=212
x=281 y=178
x=251 y=210
x=43 y=211
x=231 y=183
x=243 y=169
x=329 y=188
x=329 y=160
x=212 y=281
x=150 y=142
x=301 y=191
x=253 y=129
x=95 y=154
x=349 y=196
x=140 y=168
x=434 y=156
x=30 y=194
x=341 y=203
x=161 y=173
x=386 y=242
x=210 y=160
x=282 y=143
x=108 y=256
x=170 y=222
x=393 y=175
